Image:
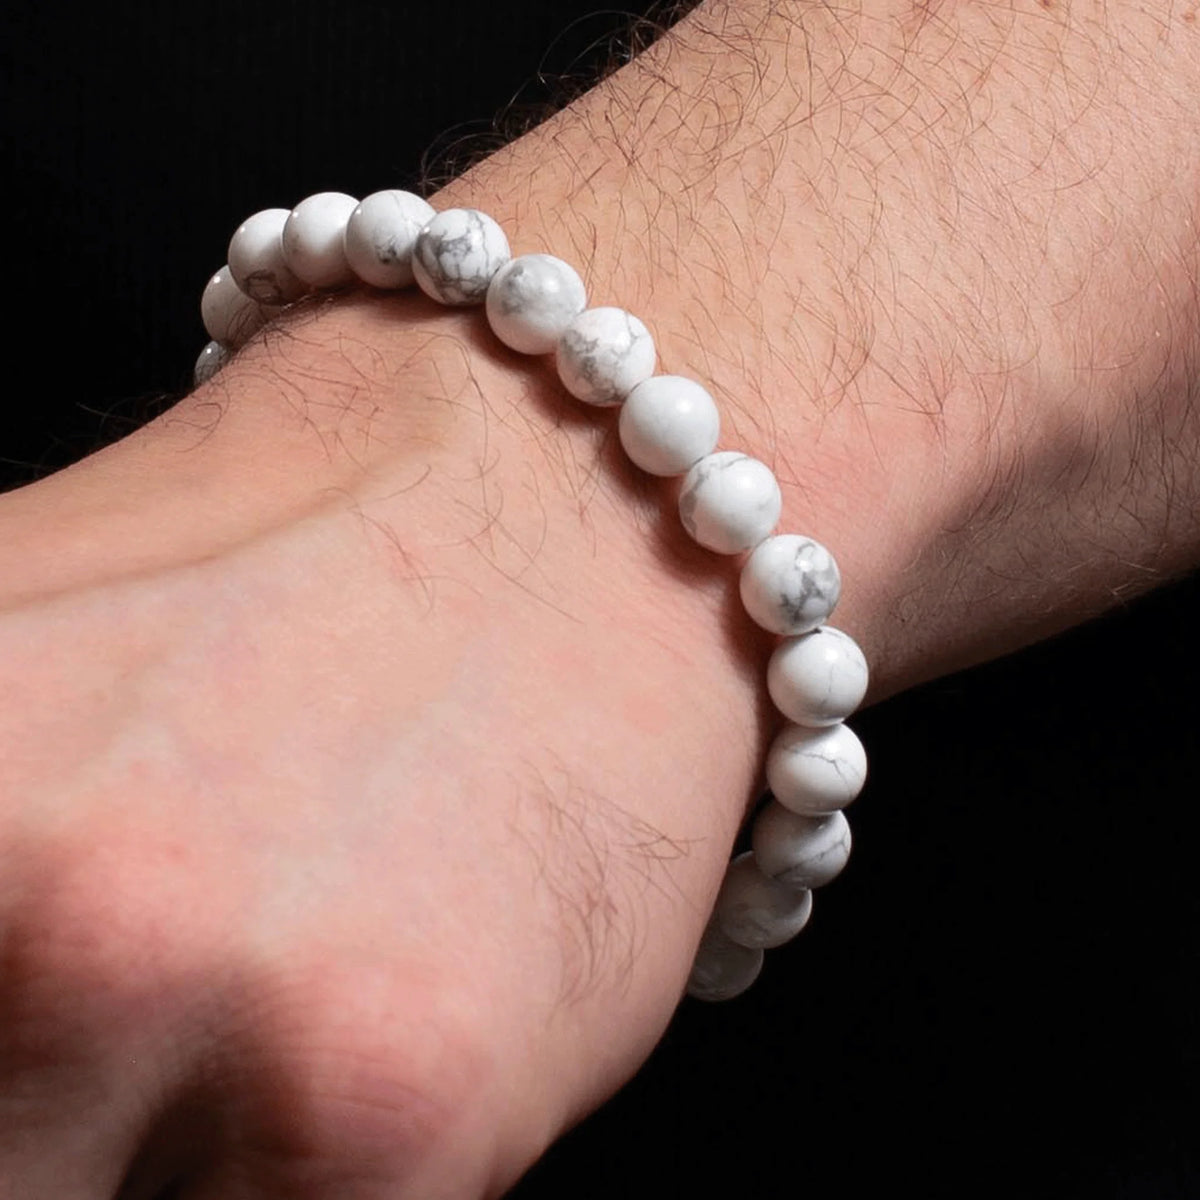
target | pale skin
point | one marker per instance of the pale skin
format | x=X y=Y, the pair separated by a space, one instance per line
x=354 y=839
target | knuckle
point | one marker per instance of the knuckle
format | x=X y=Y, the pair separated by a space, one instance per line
x=83 y=951
x=343 y=1069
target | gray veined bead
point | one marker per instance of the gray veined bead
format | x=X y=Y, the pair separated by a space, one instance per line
x=531 y=301
x=230 y=317
x=729 y=501
x=256 y=259
x=457 y=254
x=817 y=678
x=801 y=852
x=722 y=969
x=790 y=584
x=603 y=355
x=816 y=771
x=380 y=235
x=756 y=911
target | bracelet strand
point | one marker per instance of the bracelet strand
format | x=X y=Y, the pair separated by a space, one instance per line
x=729 y=503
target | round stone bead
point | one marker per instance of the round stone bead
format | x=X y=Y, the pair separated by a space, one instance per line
x=668 y=423
x=729 y=501
x=457 y=254
x=314 y=240
x=229 y=315
x=800 y=852
x=532 y=299
x=722 y=969
x=212 y=358
x=256 y=259
x=758 y=912
x=380 y=236
x=818 y=678
x=815 y=771
x=604 y=354
x=790 y=584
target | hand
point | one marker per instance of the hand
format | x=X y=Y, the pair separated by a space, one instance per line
x=353 y=863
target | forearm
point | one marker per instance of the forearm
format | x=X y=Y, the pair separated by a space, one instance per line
x=933 y=264
x=938 y=264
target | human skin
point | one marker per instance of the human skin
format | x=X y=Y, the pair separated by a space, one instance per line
x=374 y=739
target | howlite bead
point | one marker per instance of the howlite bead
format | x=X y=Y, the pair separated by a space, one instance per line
x=457 y=254
x=818 y=678
x=801 y=852
x=756 y=911
x=211 y=359
x=603 y=355
x=667 y=424
x=256 y=259
x=729 y=501
x=722 y=969
x=229 y=315
x=531 y=301
x=790 y=584
x=814 y=771
x=380 y=235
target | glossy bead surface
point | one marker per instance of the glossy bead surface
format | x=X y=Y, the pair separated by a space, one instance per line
x=256 y=259
x=758 y=912
x=790 y=584
x=314 y=237
x=730 y=501
x=801 y=852
x=668 y=423
x=532 y=299
x=603 y=355
x=818 y=678
x=380 y=236
x=814 y=771
x=457 y=254
x=229 y=315
x=722 y=969
x=210 y=360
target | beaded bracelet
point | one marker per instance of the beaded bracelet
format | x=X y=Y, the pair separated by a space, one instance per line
x=729 y=503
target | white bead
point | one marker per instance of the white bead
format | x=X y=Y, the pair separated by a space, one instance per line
x=381 y=234
x=758 y=912
x=790 y=584
x=229 y=315
x=456 y=255
x=722 y=969
x=729 y=501
x=801 y=852
x=532 y=299
x=818 y=678
x=668 y=423
x=814 y=771
x=256 y=259
x=604 y=354
x=313 y=240
x=212 y=358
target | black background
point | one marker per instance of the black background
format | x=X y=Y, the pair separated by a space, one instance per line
x=999 y=996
